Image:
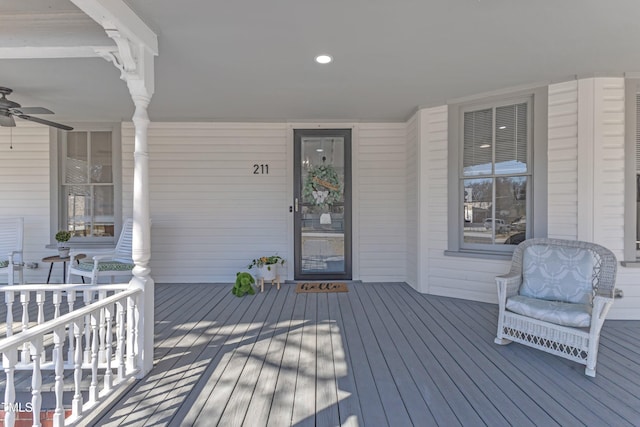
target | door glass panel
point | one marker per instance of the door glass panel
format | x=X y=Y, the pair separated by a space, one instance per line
x=322 y=205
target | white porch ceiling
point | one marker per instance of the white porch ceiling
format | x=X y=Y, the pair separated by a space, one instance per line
x=251 y=60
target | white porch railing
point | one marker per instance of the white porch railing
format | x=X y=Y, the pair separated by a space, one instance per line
x=99 y=333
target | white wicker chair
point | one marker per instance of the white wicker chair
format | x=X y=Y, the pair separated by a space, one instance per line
x=556 y=296
x=11 y=241
x=112 y=264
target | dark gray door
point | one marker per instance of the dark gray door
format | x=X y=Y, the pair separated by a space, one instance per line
x=322 y=204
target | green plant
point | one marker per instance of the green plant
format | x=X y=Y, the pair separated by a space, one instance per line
x=322 y=187
x=266 y=260
x=63 y=236
x=244 y=285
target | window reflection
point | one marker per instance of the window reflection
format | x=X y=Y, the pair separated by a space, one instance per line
x=502 y=221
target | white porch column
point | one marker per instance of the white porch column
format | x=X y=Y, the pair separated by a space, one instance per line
x=142 y=235
x=133 y=54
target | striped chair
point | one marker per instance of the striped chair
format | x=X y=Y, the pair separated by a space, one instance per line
x=11 y=242
x=116 y=263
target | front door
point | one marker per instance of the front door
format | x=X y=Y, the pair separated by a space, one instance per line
x=322 y=204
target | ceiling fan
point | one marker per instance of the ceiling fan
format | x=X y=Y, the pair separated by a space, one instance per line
x=9 y=109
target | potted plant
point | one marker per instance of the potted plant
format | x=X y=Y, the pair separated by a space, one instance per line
x=267 y=266
x=62 y=237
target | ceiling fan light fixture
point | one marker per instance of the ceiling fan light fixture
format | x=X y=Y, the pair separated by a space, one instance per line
x=324 y=59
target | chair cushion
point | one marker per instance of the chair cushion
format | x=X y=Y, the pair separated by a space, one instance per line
x=106 y=266
x=557 y=312
x=4 y=263
x=557 y=273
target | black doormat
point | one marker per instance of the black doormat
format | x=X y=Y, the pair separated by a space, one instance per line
x=314 y=287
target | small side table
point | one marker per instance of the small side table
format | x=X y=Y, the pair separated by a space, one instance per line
x=56 y=258
x=261 y=282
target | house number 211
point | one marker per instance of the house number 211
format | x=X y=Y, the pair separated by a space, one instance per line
x=260 y=169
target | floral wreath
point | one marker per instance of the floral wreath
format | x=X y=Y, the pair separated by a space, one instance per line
x=322 y=187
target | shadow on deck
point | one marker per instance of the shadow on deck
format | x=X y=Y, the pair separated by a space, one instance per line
x=381 y=354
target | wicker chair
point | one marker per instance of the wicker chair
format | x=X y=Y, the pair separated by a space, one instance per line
x=556 y=296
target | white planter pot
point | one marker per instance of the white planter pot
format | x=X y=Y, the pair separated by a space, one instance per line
x=266 y=273
x=63 y=252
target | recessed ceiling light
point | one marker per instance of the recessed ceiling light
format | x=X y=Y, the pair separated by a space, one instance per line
x=323 y=59
x=485 y=146
x=319 y=150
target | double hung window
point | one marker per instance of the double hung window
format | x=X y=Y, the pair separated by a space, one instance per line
x=496 y=174
x=87 y=199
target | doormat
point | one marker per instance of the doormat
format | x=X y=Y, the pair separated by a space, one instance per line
x=314 y=287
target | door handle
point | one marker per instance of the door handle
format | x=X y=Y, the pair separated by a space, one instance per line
x=295 y=203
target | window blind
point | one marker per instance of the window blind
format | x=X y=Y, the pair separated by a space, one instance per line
x=478 y=142
x=511 y=139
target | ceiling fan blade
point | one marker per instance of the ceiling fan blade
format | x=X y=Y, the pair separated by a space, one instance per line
x=7 y=120
x=45 y=122
x=34 y=110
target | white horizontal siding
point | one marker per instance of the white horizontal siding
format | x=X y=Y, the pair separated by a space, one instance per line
x=24 y=192
x=458 y=277
x=608 y=188
x=609 y=165
x=381 y=194
x=413 y=200
x=211 y=215
x=563 y=161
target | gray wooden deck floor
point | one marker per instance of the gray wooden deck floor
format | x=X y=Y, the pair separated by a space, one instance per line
x=381 y=354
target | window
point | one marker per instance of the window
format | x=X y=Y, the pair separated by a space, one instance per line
x=493 y=174
x=88 y=185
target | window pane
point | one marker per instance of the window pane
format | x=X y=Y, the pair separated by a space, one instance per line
x=511 y=209
x=101 y=157
x=77 y=204
x=76 y=161
x=478 y=197
x=477 y=142
x=103 y=211
x=511 y=139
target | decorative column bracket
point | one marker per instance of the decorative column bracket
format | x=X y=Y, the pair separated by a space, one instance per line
x=122 y=55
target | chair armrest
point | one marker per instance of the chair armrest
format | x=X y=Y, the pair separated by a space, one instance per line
x=508 y=285
x=13 y=258
x=601 y=306
x=102 y=257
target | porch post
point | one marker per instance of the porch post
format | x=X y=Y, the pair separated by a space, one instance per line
x=133 y=54
x=141 y=244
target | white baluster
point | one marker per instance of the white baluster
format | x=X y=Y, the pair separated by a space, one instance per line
x=87 y=332
x=36 y=380
x=40 y=304
x=108 y=374
x=120 y=335
x=9 y=296
x=130 y=353
x=25 y=358
x=93 y=388
x=57 y=300
x=9 y=360
x=71 y=299
x=76 y=403
x=58 y=359
x=102 y=295
x=136 y=331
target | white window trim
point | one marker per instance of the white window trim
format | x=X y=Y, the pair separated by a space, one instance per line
x=538 y=194
x=632 y=88
x=57 y=137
